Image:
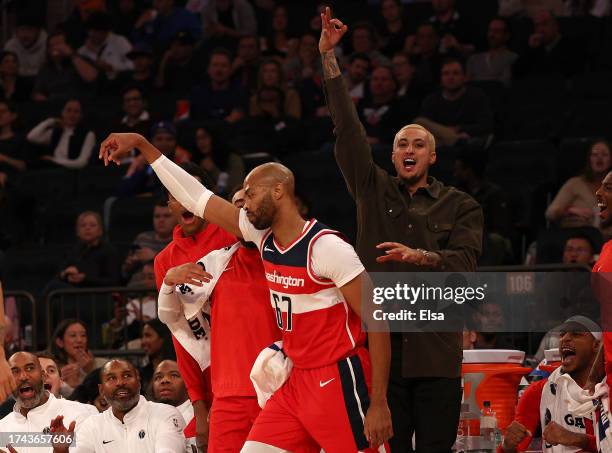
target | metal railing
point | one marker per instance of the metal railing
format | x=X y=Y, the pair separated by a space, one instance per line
x=28 y=331
x=96 y=308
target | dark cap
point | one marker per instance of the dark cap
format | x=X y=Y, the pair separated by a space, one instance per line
x=140 y=49
x=99 y=20
x=581 y=324
x=184 y=37
x=163 y=126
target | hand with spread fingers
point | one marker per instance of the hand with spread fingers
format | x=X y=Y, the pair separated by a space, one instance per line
x=57 y=427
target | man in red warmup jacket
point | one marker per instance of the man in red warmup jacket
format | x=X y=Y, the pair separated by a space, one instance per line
x=545 y=403
x=242 y=324
x=193 y=238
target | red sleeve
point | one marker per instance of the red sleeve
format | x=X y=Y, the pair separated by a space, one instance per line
x=194 y=377
x=160 y=270
x=528 y=412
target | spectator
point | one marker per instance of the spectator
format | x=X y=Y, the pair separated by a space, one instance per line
x=550 y=399
x=29 y=44
x=380 y=113
x=179 y=70
x=142 y=76
x=132 y=423
x=305 y=65
x=75 y=26
x=423 y=49
x=68 y=347
x=579 y=249
x=454 y=31
x=490 y=322
x=392 y=30
x=364 y=40
x=139 y=178
x=129 y=315
x=575 y=203
x=270 y=130
x=457 y=112
x=12 y=159
x=67 y=142
x=137 y=118
x=125 y=14
x=103 y=48
x=156 y=343
x=356 y=75
x=279 y=41
x=88 y=392
x=219 y=98
x=92 y=261
x=224 y=21
x=36 y=406
x=158 y=26
x=13 y=87
x=149 y=243
x=225 y=167
x=245 y=68
x=65 y=73
x=411 y=208
x=548 y=50
x=51 y=374
x=497 y=62
x=169 y=388
x=469 y=173
x=403 y=70
x=271 y=75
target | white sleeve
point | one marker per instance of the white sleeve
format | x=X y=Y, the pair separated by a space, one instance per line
x=248 y=230
x=335 y=259
x=85 y=435
x=169 y=437
x=85 y=154
x=187 y=190
x=42 y=132
x=168 y=306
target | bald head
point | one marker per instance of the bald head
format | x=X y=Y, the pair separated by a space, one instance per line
x=117 y=363
x=270 y=174
x=24 y=356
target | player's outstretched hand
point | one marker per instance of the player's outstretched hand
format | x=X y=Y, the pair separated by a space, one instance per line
x=332 y=31
x=377 y=427
x=190 y=273
x=117 y=146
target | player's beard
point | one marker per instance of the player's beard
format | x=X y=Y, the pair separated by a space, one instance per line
x=264 y=213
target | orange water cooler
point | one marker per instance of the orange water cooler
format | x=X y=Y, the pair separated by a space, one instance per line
x=493 y=375
x=552 y=360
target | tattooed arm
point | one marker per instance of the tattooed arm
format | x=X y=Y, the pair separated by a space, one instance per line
x=352 y=150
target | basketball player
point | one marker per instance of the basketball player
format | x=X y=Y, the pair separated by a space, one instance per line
x=315 y=280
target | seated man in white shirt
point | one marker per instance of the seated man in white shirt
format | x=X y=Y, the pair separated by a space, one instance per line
x=132 y=424
x=36 y=407
x=169 y=388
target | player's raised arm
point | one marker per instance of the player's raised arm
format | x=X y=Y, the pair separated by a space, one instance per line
x=185 y=188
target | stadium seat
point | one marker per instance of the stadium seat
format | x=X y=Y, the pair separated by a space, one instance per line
x=551 y=89
x=592 y=86
x=541 y=121
x=589 y=119
x=128 y=217
x=99 y=181
x=527 y=170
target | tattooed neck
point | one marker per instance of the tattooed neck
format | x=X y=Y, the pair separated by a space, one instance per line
x=330 y=65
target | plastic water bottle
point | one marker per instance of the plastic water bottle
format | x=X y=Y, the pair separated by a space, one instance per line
x=467 y=429
x=488 y=426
